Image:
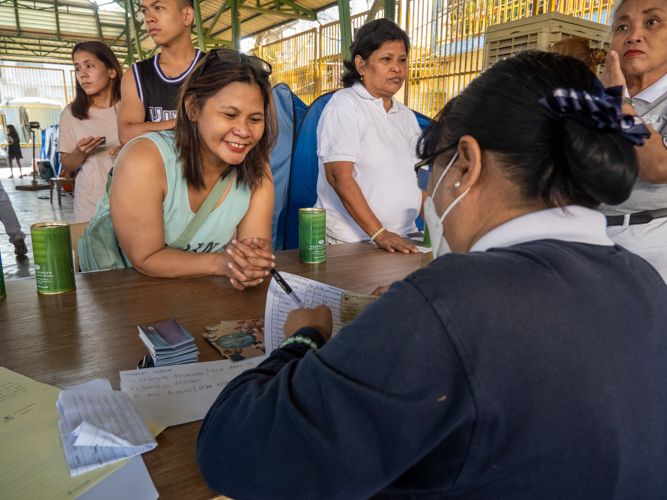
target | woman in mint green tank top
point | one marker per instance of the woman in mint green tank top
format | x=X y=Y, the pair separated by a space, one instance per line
x=225 y=128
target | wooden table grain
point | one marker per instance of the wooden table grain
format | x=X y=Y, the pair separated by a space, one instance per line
x=91 y=332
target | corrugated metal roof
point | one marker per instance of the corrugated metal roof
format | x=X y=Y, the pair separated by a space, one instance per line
x=46 y=31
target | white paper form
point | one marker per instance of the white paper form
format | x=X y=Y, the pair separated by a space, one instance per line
x=174 y=395
x=279 y=305
x=100 y=428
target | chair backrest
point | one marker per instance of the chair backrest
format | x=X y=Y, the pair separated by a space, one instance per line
x=303 y=176
x=289 y=110
x=76 y=231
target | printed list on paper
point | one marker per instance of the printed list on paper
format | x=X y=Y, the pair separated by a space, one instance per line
x=279 y=305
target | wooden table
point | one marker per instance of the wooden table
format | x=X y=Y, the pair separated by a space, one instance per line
x=91 y=332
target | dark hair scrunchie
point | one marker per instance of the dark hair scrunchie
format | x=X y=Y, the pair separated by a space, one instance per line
x=601 y=110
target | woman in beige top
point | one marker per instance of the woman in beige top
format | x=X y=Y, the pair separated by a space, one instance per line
x=88 y=130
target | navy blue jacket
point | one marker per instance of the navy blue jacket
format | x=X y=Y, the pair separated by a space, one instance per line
x=534 y=371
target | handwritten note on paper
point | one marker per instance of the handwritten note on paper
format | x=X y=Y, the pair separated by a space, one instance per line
x=279 y=304
x=32 y=461
x=174 y=395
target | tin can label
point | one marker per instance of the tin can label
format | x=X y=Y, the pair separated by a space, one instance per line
x=3 y=292
x=312 y=235
x=52 y=249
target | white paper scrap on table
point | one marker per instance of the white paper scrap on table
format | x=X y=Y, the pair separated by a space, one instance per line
x=178 y=394
x=100 y=428
x=279 y=305
x=130 y=481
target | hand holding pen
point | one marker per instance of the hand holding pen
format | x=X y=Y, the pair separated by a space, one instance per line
x=288 y=289
x=319 y=317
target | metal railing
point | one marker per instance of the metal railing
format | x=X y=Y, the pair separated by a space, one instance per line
x=31 y=94
x=294 y=62
x=447 y=46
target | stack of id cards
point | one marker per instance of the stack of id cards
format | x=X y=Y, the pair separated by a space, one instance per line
x=169 y=343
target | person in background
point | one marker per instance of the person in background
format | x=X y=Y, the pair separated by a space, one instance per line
x=150 y=90
x=529 y=364
x=13 y=150
x=366 y=144
x=11 y=223
x=580 y=48
x=637 y=61
x=225 y=128
x=88 y=132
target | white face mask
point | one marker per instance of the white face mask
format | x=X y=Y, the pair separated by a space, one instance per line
x=438 y=241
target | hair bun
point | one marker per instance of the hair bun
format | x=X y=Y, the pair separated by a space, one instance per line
x=600 y=167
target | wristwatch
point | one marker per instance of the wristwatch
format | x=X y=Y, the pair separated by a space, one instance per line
x=627 y=102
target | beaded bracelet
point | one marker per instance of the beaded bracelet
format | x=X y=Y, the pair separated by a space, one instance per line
x=377 y=233
x=301 y=340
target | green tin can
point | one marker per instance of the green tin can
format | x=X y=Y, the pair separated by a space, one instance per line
x=312 y=235
x=3 y=292
x=427 y=237
x=52 y=249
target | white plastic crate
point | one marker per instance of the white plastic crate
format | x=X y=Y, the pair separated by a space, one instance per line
x=540 y=33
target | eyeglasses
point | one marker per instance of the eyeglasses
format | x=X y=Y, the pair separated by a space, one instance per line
x=231 y=56
x=427 y=163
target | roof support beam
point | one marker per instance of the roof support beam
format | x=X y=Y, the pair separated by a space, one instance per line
x=345 y=28
x=16 y=14
x=373 y=10
x=216 y=18
x=282 y=13
x=55 y=5
x=128 y=39
x=130 y=10
x=198 y=25
x=97 y=23
x=390 y=10
x=236 y=25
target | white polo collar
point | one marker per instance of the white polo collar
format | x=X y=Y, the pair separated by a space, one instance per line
x=573 y=223
x=365 y=94
x=652 y=92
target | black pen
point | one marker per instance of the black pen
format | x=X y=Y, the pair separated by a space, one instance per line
x=288 y=290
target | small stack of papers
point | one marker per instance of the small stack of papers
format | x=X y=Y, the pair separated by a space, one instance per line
x=169 y=343
x=100 y=428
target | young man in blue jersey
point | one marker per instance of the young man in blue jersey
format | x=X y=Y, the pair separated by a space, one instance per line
x=150 y=90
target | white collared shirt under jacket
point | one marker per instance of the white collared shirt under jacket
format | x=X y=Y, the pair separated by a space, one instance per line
x=355 y=127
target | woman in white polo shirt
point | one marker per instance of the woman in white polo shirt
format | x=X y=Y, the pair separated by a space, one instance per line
x=638 y=62
x=366 y=144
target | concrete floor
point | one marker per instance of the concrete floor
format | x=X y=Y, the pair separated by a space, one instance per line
x=30 y=209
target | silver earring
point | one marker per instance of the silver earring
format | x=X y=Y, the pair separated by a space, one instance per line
x=457 y=184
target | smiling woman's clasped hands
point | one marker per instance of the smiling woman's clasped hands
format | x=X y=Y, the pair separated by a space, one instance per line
x=248 y=262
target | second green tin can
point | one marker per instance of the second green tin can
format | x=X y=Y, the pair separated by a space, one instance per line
x=52 y=249
x=312 y=235
x=3 y=292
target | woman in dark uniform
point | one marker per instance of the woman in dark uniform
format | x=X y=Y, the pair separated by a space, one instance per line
x=528 y=364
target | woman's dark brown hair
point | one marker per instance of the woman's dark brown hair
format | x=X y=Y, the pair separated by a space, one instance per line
x=82 y=101
x=197 y=90
x=580 y=48
x=12 y=131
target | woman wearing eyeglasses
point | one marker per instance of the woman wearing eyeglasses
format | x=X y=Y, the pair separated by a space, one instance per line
x=529 y=364
x=366 y=144
x=217 y=160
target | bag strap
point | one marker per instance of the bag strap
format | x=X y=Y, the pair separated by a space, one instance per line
x=202 y=214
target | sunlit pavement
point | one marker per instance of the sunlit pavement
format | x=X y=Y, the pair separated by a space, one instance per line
x=30 y=209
